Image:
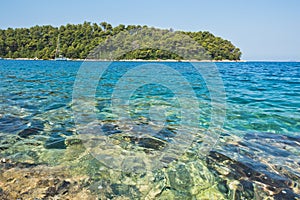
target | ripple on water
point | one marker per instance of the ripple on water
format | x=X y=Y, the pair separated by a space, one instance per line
x=258 y=154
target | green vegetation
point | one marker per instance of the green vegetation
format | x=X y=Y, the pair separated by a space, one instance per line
x=76 y=41
x=150 y=54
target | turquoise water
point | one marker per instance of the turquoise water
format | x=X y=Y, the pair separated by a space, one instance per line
x=262 y=116
x=261 y=96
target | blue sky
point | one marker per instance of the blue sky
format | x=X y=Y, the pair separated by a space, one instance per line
x=263 y=29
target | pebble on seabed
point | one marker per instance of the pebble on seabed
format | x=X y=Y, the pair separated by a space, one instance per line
x=3 y=160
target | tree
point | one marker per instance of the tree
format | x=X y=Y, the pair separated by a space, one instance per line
x=77 y=40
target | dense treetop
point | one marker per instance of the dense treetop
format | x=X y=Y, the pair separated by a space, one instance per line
x=77 y=41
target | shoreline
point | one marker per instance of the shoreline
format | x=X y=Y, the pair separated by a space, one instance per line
x=141 y=60
x=133 y=60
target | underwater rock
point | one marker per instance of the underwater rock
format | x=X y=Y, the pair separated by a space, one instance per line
x=248 y=189
x=122 y=190
x=165 y=134
x=55 y=142
x=6 y=141
x=150 y=143
x=42 y=182
x=110 y=129
x=239 y=169
x=180 y=178
x=9 y=164
x=254 y=172
x=254 y=163
x=28 y=131
x=72 y=141
x=60 y=187
x=4 y=195
x=11 y=124
x=223 y=187
x=286 y=194
x=35 y=128
x=24 y=127
x=54 y=106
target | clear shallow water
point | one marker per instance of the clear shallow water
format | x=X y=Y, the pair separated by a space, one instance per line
x=260 y=135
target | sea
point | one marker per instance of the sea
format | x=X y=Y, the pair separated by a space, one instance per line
x=149 y=130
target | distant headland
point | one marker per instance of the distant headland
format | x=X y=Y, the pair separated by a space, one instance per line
x=75 y=41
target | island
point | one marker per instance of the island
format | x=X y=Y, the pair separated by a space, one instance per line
x=75 y=41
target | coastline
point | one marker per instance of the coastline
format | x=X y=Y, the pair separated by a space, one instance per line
x=133 y=60
x=159 y=60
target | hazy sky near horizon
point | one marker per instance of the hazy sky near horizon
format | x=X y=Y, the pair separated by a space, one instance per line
x=262 y=29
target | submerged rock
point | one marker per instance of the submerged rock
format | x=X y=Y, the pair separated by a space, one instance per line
x=123 y=190
x=42 y=182
x=165 y=134
x=11 y=124
x=55 y=142
x=28 y=131
x=73 y=141
x=259 y=165
x=254 y=162
x=35 y=128
x=110 y=129
x=150 y=143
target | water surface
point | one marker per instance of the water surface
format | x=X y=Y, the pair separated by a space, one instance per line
x=257 y=155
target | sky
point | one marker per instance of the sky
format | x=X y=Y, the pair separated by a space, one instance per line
x=262 y=29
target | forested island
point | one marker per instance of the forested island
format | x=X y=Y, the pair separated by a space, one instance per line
x=77 y=40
